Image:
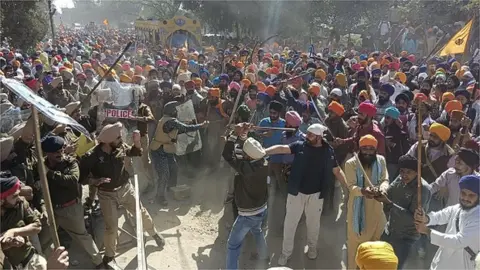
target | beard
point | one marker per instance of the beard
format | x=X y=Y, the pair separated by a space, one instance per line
x=362 y=121
x=382 y=100
x=433 y=144
x=312 y=142
x=376 y=83
x=214 y=102
x=361 y=85
x=190 y=92
x=465 y=207
x=366 y=159
x=401 y=109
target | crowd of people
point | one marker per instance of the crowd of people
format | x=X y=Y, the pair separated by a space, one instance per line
x=293 y=126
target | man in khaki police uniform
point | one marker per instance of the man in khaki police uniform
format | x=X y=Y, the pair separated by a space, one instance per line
x=104 y=166
x=63 y=175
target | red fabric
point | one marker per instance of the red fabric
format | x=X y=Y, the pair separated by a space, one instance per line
x=367 y=108
x=10 y=191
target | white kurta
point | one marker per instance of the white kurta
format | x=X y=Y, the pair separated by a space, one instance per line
x=451 y=253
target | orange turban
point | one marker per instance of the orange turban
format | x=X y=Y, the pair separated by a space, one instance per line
x=214 y=92
x=420 y=96
x=261 y=87
x=320 y=74
x=368 y=140
x=246 y=82
x=453 y=105
x=364 y=63
x=447 y=96
x=314 y=89
x=341 y=79
x=274 y=70
x=271 y=90
x=239 y=65
x=442 y=131
x=337 y=108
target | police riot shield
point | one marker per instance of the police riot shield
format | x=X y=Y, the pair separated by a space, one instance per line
x=191 y=141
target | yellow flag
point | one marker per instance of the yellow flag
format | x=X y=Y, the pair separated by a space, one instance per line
x=83 y=145
x=105 y=22
x=458 y=42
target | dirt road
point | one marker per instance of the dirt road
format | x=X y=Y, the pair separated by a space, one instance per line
x=196 y=233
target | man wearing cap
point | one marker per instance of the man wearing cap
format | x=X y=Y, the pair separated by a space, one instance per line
x=63 y=175
x=446 y=185
x=58 y=95
x=366 y=114
x=163 y=148
x=396 y=142
x=246 y=156
x=375 y=255
x=383 y=102
x=459 y=245
x=399 y=204
x=18 y=223
x=69 y=84
x=365 y=217
x=104 y=165
x=310 y=181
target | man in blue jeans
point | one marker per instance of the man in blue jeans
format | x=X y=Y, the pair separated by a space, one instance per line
x=245 y=155
x=399 y=204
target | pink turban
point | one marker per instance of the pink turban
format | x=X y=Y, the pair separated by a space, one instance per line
x=234 y=85
x=293 y=119
x=110 y=133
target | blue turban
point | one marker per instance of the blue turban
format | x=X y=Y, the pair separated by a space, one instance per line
x=267 y=82
x=388 y=88
x=376 y=71
x=392 y=112
x=224 y=77
x=216 y=81
x=308 y=106
x=52 y=144
x=470 y=182
x=204 y=71
x=363 y=57
x=422 y=69
x=264 y=97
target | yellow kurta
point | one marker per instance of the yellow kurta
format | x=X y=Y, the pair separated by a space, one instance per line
x=374 y=217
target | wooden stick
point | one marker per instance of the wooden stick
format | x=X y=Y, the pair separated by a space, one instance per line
x=103 y=77
x=357 y=160
x=419 y=156
x=43 y=180
x=273 y=128
x=237 y=100
x=142 y=263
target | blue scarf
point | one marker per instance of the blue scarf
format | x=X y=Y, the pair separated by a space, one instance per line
x=359 y=201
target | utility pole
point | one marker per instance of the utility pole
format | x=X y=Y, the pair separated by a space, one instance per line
x=51 y=12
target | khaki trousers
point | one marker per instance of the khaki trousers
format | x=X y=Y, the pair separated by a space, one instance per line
x=71 y=219
x=296 y=205
x=109 y=202
x=37 y=262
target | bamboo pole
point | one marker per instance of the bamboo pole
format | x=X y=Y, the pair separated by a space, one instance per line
x=43 y=180
x=419 y=156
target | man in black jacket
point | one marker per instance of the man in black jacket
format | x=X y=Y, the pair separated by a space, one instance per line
x=245 y=155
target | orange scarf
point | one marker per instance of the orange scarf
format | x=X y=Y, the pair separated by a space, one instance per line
x=220 y=108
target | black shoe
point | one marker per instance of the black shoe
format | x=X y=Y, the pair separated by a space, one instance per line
x=163 y=202
x=159 y=240
x=107 y=259
x=101 y=266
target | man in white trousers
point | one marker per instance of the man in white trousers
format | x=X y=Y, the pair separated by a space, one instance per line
x=460 y=244
x=311 y=177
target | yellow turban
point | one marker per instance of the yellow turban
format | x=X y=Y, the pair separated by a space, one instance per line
x=442 y=131
x=401 y=76
x=376 y=255
x=124 y=78
x=197 y=81
x=456 y=64
x=368 y=140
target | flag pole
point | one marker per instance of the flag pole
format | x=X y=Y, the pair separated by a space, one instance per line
x=419 y=155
